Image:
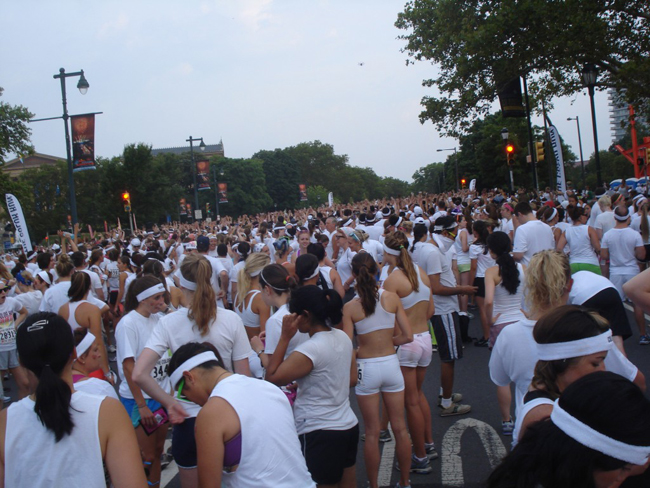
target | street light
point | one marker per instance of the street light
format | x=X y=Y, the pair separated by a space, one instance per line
x=505 y=135
x=455 y=161
x=589 y=77
x=216 y=189
x=83 y=89
x=202 y=147
x=582 y=161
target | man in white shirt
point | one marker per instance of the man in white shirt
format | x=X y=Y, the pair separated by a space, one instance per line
x=531 y=235
x=219 y=278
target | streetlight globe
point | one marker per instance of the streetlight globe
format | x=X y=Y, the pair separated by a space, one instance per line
x=83 y=84
x=589 y=75
x=505 y=134
x=202 y=145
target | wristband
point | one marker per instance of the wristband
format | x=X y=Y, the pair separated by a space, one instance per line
x=142 y=406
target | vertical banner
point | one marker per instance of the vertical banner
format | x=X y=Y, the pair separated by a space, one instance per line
x=330 y=199
x=182 y=207
x=202 y=175
x=510 y=98
x=472 y=185
x=303 y=192
x=556 y=145
x=18 y=219
x=223 y=192
x=83 y=142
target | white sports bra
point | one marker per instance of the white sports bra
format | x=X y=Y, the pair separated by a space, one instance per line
x=422 y=295
x=250 y=318
x=379 y=320
x=72 y=309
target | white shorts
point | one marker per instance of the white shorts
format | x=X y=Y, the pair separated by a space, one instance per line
x=619 y=280
x=379 y=374
x=417 y=353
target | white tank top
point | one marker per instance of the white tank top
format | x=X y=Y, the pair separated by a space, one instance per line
x=270 y=450
x=422 y=295
x=72 y=320
x=33 y=458
x=325 y=273
x=509 y=306
x=245 y=312
x=381 y=319
x=577 y=237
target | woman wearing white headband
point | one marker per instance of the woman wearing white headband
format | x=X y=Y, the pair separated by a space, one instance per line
x=343 y=263
x=199 y=322
x=641 y=223
x=29 y=296
x=240 y=442
x=144 y=299
x=598 y=435
x=88 y=361
x=623 y=246
x=583 y=242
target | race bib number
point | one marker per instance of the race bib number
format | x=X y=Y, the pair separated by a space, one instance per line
x=360 y=372
x=160 y=370
x=8 y=336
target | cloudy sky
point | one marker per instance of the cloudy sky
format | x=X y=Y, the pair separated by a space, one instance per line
x=259 y=74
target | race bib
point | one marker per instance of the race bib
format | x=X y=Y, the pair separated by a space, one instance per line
x=360 y=372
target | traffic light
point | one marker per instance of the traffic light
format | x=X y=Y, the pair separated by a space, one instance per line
x=539 y=149
x=463 y=182
x=510 y=152
x=126 y=200
x=207 y=208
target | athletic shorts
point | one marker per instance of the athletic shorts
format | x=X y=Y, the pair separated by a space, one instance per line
x=329 y=452
x=447 y=331
x=647 y=254
x=619 y=280
x=9 y=359
x=594 y=268
x=184 y=444
x=379 y=374
x=133 y=410
x=495 y=330
x=480 y=284
x=417 y=353
x=112 y=297
x=464 y=268
x=608 y=304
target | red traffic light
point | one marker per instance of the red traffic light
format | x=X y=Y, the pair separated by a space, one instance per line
x=125 y=195
x=463 y=181
x=510 y=148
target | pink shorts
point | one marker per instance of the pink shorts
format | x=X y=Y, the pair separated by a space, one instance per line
x=495 y=330
x=416 y=353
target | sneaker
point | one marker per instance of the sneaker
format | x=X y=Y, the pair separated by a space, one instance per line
x=507 y=427
x=111 y=349
x=6 y=399
x=434 y=348
x=165 y=460
x=431 y=451
x=455 y=398
x=384 y=436
x=481 y=343
x=644 y=340
x=418 y=466
x=455 y=409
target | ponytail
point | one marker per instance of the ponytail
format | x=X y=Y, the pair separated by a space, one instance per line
x=254 y=264
x=644 y=226
x=324 y=306
x=364 y=269
x=203 y=306
x=399 y=242
x=276 y=277
x=419 y=231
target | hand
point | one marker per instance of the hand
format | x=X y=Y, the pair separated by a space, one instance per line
x=262 y=336
x=289 y=325
x=257 y=344
x=221 y=294
x=176 y=413
x=468 y=289
x=147 y=417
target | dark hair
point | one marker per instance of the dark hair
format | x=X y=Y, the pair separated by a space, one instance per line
x=113 y=254
x=138 y=286
x=419 y=231
x=606 y=402
x=191 y=349
x=222 y=250
x=45 y=346
x=78 y=336
x=64 y=266
x=277 y=278
x=43 y=260
x=126 y=260
x=523 y=208
x=243 y=248
x=482 y=230
x=306 y=264
x=563 y=324
x=80 y=285
x=95 y=256
x=325 y=307
x=576 y=213
x=621 y=211
x=501 y=245
x=317 y=250
x=446 y=221
x=364 y=269
x=78 y=259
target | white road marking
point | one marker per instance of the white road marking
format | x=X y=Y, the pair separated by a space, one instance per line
x=170 y=471
x=631 y=309
x=386 y=463
x=452 y=464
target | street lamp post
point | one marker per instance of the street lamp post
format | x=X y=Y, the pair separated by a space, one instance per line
x=455 y=162
x=202 y=147
x=505 y=135
x=582 y=161
x=216 y=189
x=589 y=77
x=82 y=85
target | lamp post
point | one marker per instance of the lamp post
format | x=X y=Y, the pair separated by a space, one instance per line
x=589 y=77
x=505 y=135
x=202 y=147
x=82 y=85
x=455 y=162
x=216 y=189
x=582 y=161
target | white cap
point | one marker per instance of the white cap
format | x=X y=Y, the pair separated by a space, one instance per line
x=136 y=242
x=417 y=210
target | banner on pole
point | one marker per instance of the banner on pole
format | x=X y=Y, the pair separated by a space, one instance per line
x=182 y=207
x=223 y=192
x=303 y=192
x=556 y=145
x=330 y=199
x=203 y=175
x=18 y=219
x=83 y=142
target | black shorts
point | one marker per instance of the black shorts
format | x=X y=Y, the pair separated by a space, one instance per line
x=647 y=254
x=447 y=332
x=608 y=303
x=480 y=284
x=329 y=452
x=184 y=444
x=112 y=297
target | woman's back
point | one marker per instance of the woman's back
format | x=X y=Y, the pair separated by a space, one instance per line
x=577 y=237
x=509 y=305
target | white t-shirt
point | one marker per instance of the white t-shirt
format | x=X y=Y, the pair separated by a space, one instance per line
x=95 y=282
x=532 y=237
x=131 y=338
x=274 y=331
x=31 y=301
x=621 y=244
x=579 y=242
x=483 y=259
x=95 y=386
x=605 y=221
x=323 y=400
x=586 y=285
x=10 y=307
x=55 y=297
x=432 y=260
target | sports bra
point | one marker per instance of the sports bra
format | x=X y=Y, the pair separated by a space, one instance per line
x=232 y=453
x=250 y=318
x=422 y=295
x=72 y=320
x=379 y=320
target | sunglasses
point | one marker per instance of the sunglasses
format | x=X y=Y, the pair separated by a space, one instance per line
x=5 y=289
x=179 y=394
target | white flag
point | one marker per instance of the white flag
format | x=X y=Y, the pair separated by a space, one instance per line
x=18 y=219
x=554 y=136
x=330 y=199
x=472 y=185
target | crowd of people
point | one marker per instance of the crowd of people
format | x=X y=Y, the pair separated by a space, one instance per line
x=245 y=337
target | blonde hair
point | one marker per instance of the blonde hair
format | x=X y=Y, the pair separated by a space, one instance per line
x=203 y=307
x=399 y=242
x=255 y=262
x=547 y=277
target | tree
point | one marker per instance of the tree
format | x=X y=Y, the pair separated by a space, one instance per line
x=246 y=186
x=281 y=175
x=480 y=44
x=14 y=132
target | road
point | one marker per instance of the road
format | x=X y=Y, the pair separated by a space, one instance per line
x=469 y=445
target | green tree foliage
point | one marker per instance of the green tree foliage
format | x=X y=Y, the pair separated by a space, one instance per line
x=246 y=186
x=282 y=177
x=478 y=44
x=14 y=132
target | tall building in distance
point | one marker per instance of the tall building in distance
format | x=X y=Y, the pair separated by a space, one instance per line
x=618 y=116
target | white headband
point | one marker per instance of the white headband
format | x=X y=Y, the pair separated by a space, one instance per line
x=190 y=285
x=622 y=218
x=315 y=273
x=149 y=292
x=553 y=214
x=43 y=275
x=593 y=439
x=190 y=364
x=348 y=223
x=255 y=273
x=85 y=344
x=392 y=252
x=399 y=221
x=574 y=349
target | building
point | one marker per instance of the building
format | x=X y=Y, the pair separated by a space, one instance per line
x=15 y=167
x=210 y=150
x=619 y=115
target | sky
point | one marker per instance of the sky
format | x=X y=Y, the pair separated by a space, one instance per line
x=256 y=74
